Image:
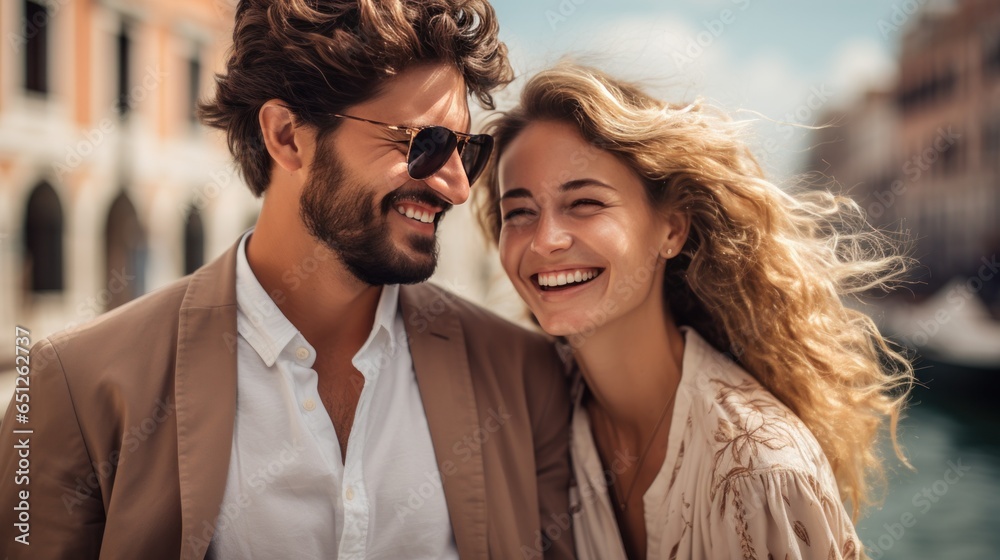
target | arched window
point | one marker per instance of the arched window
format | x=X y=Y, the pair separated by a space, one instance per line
x=123 y=56
x=43 y=240
x=37 y=20
x=194 y=241
x=125 y=245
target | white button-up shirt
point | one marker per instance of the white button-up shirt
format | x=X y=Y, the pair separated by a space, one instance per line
x=289 y=493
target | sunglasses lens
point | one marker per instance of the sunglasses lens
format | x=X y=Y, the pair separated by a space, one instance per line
x=475 y=155
x=429 y=151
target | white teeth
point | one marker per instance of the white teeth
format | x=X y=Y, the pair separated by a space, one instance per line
x=564 y=278
x=419 y=215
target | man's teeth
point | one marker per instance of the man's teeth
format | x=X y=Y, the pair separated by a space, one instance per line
x=418 y=215
x=567 y=277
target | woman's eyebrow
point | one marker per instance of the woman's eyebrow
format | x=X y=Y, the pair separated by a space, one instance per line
x=581 y=183
x=575 y=184
x=516 y=193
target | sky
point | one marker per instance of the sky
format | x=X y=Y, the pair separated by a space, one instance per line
x=781 y=62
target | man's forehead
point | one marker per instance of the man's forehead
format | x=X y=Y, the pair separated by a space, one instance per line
x=424 y=95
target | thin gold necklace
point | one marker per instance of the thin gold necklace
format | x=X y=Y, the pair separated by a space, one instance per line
x=642 y=458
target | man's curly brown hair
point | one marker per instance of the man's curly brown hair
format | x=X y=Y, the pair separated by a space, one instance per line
x=323 y=56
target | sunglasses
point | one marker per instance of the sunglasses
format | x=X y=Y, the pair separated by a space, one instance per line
x=430 y=147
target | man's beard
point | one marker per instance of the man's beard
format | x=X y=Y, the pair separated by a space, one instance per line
x=341 y=212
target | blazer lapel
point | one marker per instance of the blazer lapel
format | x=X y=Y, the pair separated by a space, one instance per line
x=437 y=346
x=205 y=393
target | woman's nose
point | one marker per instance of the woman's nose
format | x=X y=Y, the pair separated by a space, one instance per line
x=550 y=236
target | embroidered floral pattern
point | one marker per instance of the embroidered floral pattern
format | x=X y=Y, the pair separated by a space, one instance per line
x=800 y=532
x=762 y=424
x=677 y=465
x=850 y=550
x=741 y=454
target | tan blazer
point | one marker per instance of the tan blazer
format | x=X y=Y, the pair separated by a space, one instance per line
x=132 y=423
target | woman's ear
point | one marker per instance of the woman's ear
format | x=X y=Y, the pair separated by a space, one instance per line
x=675 y=233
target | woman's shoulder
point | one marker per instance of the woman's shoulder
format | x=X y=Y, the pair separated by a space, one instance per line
x=747 y=429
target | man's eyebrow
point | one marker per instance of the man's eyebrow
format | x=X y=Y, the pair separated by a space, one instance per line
x=465 y=130
x=573 y=185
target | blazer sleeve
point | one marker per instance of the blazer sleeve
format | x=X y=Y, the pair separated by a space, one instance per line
x=548 y=397
x=49 y=494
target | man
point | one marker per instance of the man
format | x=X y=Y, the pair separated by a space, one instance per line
x=291 y=399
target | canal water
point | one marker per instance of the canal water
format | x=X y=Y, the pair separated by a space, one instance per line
x=950 y=507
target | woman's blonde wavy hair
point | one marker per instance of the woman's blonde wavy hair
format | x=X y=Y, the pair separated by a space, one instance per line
x=764 y=272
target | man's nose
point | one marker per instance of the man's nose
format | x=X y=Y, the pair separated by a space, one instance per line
x=450 y=182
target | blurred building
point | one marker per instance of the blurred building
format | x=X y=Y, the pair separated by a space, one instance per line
x=108 y=186
x=925 y=156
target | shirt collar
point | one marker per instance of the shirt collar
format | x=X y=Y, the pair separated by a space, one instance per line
x=268 y=331
x=383 y=337
x=259 y=320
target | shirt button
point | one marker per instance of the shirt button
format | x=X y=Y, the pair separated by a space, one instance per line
x=349 y=493
x=309 y=404
x=301 y=352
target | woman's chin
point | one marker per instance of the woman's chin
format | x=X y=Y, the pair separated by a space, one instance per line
x=568 y=327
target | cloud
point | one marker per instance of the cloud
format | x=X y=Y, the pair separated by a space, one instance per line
x=860 y=65
x=680 y=60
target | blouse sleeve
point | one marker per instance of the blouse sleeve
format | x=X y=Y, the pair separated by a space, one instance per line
x=780 y=514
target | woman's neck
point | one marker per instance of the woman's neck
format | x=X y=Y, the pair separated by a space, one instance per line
x=632 y=367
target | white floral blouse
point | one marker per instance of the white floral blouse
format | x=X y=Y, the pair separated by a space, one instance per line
x=743 y=476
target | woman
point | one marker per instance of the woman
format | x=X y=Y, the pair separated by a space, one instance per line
x=726 y=400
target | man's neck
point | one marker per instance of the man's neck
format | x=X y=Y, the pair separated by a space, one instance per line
x=310 y=285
